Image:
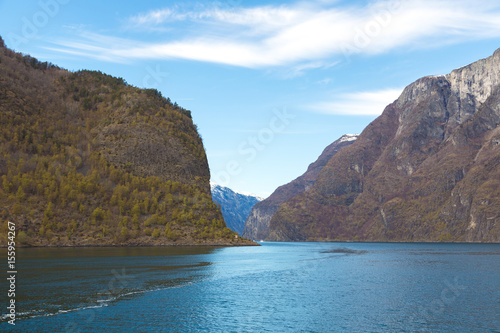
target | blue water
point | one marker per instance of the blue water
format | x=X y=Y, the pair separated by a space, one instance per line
x=278 y=287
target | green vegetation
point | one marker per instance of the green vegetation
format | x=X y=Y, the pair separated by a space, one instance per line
x=86 y=159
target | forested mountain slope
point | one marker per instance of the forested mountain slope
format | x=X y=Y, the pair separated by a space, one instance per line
x=86 y=159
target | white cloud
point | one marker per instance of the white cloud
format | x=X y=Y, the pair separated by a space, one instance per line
x=291 y=35
x=369 y=103
x=258 y=18
x=301 y=68
x=154 y=17
x=325 y=81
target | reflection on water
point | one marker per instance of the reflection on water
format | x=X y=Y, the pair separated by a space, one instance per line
x=345 y=250
x=278 y=287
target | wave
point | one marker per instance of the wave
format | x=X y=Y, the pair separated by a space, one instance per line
x=100 y=304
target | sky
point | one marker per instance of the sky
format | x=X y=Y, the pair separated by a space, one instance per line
x=270 y=83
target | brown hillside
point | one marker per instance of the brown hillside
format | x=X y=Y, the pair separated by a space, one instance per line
x=428 y=169
x=257 y=223
x=86 y=159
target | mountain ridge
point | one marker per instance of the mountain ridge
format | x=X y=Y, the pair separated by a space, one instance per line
x=235 y=206
x=413 y=174
x=257 y=223
x=88 y=160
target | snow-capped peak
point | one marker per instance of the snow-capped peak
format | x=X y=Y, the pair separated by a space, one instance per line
x=217 y=187
x=348 y=137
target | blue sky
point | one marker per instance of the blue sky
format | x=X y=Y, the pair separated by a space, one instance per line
x=270 y=84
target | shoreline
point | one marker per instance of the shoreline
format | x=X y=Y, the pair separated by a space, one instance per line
x=249 y=243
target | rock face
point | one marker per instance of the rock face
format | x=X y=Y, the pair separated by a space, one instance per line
x=86 y=159
x=235 y=206
x=427 y=169
x=257 y=223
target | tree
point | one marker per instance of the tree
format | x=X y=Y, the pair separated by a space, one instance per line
x=124 y=232
x=49 y=211
x=124 y=221
x=22 y=237
x=6 y=185
x=98 y=215
x=136 y=210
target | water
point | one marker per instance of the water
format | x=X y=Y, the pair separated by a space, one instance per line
x=278 y=287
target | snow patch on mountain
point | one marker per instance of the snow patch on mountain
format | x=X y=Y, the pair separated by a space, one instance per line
x=220 y=188
x=348 y=137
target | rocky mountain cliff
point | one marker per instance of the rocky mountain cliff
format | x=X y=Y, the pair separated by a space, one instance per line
x=235 y=206
x=427 y=169
x=257 y=223
x=86 y=159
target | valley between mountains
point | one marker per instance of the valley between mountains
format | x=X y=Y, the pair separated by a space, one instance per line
x=426 y=170
x=88 y=160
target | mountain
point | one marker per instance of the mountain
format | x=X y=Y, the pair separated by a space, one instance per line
x=235 y=206
x=427 y=169
x=257 y=223
x=86 y=159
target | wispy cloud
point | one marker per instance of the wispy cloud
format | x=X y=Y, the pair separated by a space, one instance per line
x=325 y=81
x=300 y=69
x=155 y=17
x=291 y=35
x=368 y=103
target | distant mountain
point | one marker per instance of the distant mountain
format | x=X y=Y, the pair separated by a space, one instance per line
x=235 y=206
x=86 y=159
x=257 y=223
x=427 y=169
